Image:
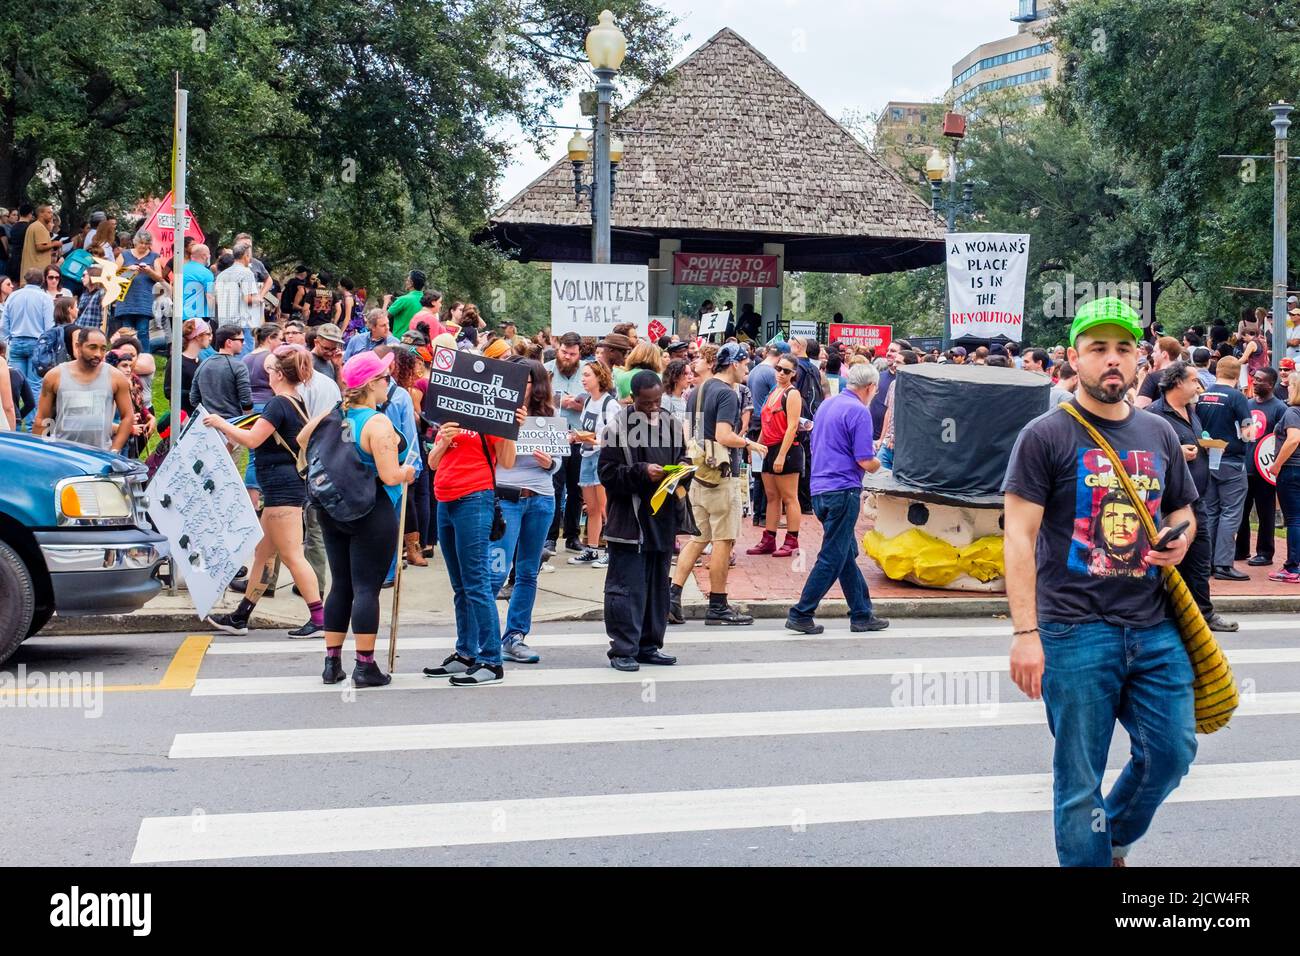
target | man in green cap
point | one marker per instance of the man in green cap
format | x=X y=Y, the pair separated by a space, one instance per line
x=1093 y=633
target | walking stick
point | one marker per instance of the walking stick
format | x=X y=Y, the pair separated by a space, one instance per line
x=397 y=583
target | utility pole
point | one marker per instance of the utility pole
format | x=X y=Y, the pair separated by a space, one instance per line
x=1281 y=123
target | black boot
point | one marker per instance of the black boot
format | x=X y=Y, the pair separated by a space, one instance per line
x=368 y=674
x=721 y=613
x=675 y=604
x=333 y=670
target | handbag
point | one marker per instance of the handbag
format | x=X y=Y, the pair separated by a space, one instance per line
x=498 y=519
x=703 y=452
x=1213 y=683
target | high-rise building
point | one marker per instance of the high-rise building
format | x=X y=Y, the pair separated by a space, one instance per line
x=908 y=130
x=1024 y=61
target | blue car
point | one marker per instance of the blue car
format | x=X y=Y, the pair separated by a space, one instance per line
x=74 y=536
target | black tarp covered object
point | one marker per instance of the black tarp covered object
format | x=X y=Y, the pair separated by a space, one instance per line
x=955 y=425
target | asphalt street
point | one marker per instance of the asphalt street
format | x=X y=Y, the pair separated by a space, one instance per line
x=906 y=747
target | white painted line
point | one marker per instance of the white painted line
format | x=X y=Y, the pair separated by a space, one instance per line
x=837 y=630
x=229 y=836
x=524 y=676
x=538 y=733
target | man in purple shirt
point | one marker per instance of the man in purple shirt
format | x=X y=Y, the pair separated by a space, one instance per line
x=842 y=452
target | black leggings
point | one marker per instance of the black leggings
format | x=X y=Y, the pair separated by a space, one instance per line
x=359 y=554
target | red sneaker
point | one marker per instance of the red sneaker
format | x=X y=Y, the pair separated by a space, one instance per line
x=766 y=546
x=788 y=547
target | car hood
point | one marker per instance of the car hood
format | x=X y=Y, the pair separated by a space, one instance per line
x=14 y=446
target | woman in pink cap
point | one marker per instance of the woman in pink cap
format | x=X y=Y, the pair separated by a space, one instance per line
x=360 y=551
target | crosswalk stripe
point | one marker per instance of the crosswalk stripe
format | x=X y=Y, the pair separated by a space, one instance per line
x=536 y=733
x=227 y=836
x=569 y=676
x=837 y=631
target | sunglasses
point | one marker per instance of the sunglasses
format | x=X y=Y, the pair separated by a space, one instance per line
x=782 y=370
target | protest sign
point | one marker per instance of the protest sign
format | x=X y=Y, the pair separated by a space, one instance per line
x=712 y=269
x=549 y=435
x=477 y=393
x=658 y=327
x=714 y=323
x=875 y=337
x=803 y=328
x=161 y=224
x=591 y=299
x=986 y=284
x=198 y=501
x=1265 y=455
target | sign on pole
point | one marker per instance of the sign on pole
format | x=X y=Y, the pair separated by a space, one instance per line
x=742 y=272
x=803 y=328
x=986 y=284
x=477 y=393
x=875 y=337
x=162 y=225
x=549 y=435
x=591 y=299
x=198 y=501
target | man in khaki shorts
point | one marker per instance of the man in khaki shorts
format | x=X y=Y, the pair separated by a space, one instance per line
x=713 y=418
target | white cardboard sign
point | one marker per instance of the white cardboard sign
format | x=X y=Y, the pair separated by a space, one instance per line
x=591 y=299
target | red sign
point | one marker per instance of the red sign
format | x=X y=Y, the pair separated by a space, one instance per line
x=742 y=272
x=657 y=330
x=1265 y=455
x=162 y=222
x=876 y=337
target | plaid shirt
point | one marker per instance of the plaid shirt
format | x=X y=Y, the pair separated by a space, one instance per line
x=90 y=310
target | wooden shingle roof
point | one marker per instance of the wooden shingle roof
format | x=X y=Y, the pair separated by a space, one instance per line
x=732 y=145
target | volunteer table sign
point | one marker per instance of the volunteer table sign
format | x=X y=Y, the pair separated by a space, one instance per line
x=986 y=284
x=477 y=393
x=549 y=435
x=591 y=299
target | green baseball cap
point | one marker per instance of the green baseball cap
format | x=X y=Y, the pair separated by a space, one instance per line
x=1108 y=311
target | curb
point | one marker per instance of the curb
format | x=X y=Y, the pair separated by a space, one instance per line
x=161 y=622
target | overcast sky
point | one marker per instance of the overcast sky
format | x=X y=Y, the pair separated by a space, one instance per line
x=846 y=54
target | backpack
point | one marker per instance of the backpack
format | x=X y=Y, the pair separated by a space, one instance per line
x=76 y=264
x=337 y=479
x=51 y=350
x=809 y=385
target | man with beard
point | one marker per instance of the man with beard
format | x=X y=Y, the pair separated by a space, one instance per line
x=1101 y=647
x=566 y=384
x=1266 y=409
x=78 y=398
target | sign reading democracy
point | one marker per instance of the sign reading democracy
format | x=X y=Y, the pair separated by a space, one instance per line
x=742 y=272
x=986 y=284
x=162 y=226
x=477 y=393
x=875 y=337
x=591 y=299
x=549 y=435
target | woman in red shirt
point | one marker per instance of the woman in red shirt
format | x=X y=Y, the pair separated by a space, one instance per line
x=784 y=462
x=464 y=464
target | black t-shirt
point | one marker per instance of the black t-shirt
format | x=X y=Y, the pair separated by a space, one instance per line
x=17 y=236
x=1221 y=409
x=1150 y=387
x=1266 y=415
x=281 y=414
x=286 y=297
x=1091 y=544
x=717 y=402
x=1289 y=421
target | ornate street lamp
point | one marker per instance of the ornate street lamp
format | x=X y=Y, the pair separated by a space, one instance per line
x=606 y=46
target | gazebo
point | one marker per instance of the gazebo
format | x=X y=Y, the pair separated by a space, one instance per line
x=725 y=155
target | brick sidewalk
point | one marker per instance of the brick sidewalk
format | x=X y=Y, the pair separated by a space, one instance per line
x=764 y=578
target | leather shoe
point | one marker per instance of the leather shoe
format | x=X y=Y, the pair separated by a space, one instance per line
x=1218 y=622
x=624 y=664
x=1229 y=573
x=872 y=623
x=803 y=627
x=656 y=657
x=1259 y=561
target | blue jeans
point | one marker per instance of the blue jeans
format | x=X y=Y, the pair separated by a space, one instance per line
x=249 y=343
x=886 y=457
x=1288 y=493
x=527 y=521
x=139 y=324
x=464 y=528
x=21 y=349
x=1095 y=674
x=838 y=513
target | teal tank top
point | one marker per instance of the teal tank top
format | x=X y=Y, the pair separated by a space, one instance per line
x=358 y=418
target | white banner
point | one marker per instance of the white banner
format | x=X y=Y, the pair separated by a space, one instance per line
x=549 y=435
x=199 y=502
x=986 y=284
x=591 y=299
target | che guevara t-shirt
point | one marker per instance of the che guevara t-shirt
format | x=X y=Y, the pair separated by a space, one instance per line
x=1091 y=543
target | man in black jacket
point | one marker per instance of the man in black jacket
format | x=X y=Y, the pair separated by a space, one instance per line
x=637 y=445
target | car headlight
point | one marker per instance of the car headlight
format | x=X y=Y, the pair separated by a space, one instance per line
x=92 y=501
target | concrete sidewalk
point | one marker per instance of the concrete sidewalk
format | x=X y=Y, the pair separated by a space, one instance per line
x=765 y=586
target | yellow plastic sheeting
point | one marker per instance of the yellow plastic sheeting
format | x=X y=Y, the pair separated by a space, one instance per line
x=926 y=559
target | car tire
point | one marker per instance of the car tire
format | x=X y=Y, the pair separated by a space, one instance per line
x=17 y=601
